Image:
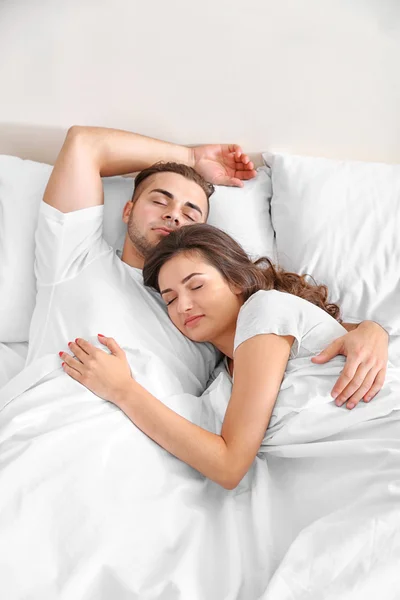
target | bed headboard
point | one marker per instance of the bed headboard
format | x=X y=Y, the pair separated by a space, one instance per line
x=313 y=77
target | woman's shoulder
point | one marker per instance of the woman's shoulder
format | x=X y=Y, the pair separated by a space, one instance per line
x=281 y=313
x=269 y=311
x=269 y=298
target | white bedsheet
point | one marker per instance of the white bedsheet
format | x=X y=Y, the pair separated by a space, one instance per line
x=12 y=360
x=336 y=487
x=92 y=509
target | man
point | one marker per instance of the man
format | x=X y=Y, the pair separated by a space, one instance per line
x=83 y=286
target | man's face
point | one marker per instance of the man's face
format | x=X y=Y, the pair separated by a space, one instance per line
x=166 y=202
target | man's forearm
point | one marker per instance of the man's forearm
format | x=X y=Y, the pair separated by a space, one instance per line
x=350 y=326
x=118 y=152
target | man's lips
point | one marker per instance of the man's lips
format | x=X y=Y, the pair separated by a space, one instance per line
x=164 y=230
x=191 y=321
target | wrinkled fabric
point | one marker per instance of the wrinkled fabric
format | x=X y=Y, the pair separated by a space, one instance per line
x=91 y=508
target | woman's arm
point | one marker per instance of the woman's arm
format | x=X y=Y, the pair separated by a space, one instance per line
x=260 y=363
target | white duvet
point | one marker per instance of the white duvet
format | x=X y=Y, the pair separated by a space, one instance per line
x=92 y=509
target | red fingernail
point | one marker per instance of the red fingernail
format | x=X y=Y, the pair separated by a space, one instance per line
x=69 y=343
x=76 y=340
x=60 y=353
x=62 y=364
x=101 y=335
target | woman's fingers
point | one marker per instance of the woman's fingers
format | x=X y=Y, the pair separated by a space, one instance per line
x=72 y=364
x=86 y=346
x=78 y=351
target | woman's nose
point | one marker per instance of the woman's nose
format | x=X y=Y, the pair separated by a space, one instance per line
x=184 y=304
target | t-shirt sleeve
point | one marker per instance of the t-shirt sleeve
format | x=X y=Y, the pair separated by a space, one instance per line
x=67 y=242
x=272 y=312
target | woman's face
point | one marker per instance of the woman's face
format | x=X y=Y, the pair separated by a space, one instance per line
x=200 y=302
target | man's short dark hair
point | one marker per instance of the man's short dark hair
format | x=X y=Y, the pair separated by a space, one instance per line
x=180 y=169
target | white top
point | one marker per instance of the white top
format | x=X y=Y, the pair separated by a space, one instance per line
x=286 y=314
x=84 y=289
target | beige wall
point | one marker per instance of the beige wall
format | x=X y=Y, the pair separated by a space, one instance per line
x=307 y=76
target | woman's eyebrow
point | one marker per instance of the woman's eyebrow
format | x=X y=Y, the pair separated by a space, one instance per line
x=184 y=280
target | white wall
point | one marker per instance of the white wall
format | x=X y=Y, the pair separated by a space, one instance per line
x=307 y=76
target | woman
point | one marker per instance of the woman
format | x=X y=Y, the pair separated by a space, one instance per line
x=258 y=316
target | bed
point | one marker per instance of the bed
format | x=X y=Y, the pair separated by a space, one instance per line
x=92 y=508
x=12 y=360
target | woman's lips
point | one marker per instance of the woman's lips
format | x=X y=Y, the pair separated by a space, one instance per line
x=192 y=321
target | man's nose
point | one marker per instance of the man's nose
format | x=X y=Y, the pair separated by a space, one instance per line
x=172 y=216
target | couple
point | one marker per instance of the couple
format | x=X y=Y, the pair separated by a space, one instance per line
x=256 y=315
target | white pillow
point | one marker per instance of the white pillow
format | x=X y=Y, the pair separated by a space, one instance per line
x=22 y=184
x=244 y=213
x=339 y=221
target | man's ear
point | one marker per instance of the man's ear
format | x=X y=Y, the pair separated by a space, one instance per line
x=127 y=211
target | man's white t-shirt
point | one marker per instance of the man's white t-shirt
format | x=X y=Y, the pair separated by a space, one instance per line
x=84 y=288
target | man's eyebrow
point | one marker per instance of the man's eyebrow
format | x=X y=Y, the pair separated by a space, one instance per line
x=172 y=197
x=184 y=280
x=168 y=194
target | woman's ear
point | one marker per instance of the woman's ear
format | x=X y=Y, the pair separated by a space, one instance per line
x=237 y=290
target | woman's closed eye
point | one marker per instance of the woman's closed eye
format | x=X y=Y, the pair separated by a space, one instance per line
x=169 y=302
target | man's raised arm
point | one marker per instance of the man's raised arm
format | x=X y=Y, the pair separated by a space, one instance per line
x=90 y=153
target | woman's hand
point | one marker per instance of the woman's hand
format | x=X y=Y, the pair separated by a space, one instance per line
x=364 y=373
x=107 y=375
x=223 y=164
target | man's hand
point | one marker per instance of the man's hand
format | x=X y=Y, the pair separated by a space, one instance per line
x=364 y=373
x=223 y=164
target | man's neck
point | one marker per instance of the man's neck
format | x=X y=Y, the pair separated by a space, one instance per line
x=131 y=257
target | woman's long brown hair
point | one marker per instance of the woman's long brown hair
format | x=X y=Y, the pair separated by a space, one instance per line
x=229 y=258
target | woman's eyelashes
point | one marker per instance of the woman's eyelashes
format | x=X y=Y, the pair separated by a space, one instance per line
x=169 y=302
